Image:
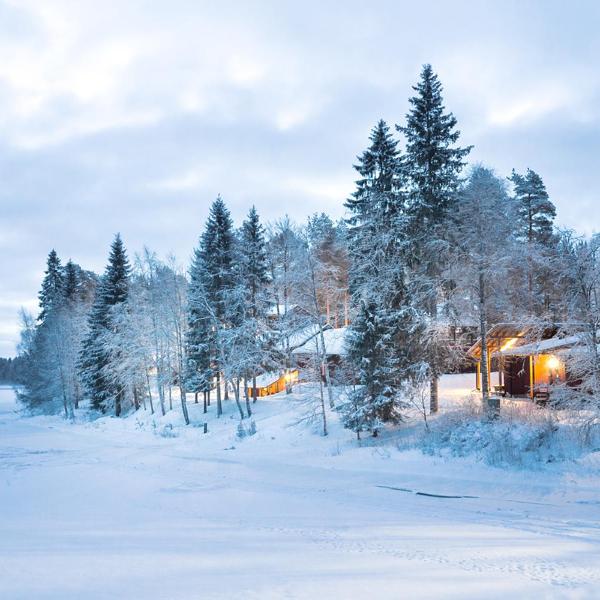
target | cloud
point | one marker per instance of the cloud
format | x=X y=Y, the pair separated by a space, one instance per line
x=134 y=117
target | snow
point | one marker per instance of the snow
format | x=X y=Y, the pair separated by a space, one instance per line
x=334 y=342
x=143 y=507
x=543 y=346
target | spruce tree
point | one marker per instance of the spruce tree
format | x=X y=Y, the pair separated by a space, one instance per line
x=199 y=340
x=535 y=210
x=433 y=162
x=378 y=343
x=253 y=261
x=213 y=279
x=534 y=228
x=97 y=352
x=372 y=350
x=376 y=208
x=52 y=293
x=72 y=283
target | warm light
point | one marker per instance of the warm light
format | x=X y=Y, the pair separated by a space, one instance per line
x=553 y=363
x=509 y=344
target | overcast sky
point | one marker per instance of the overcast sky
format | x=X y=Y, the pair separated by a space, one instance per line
x=132 y=116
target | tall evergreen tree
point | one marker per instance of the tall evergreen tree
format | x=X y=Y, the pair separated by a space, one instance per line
x=433 y=166
x=375 y=208
x=254 y=273
x=384 y=316
x=199 y=339
x=535 y=210
x=72 y=283
x=212 y=281
x=52 y=293
x=97 y=352
x=534 y=228
x=371 y=349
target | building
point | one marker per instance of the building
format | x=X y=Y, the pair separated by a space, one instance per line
x=528 y=360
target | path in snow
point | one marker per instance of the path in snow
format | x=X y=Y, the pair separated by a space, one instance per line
x=111 y=510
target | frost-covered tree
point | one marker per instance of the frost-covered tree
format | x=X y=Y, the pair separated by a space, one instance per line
x=385 y=324
x=578 y=269
x=534 y=228
x=254 y=279
x=97 y=350
x=483 y=250
x=284 y=251
x=371 y=347
x=328 y=247
x=433 y=163
x=52 y=292
x=212 y=279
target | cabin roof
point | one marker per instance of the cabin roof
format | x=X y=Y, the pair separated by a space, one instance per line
x=334 y=342
x=518 y=339
x=500 y=335
x=543 y=346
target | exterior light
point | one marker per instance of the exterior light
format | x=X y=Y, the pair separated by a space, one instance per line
x=509 y=344
x=553 y=363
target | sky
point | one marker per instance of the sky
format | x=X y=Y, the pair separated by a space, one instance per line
x=131 y=116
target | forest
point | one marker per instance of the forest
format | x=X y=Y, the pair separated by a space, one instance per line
x=432 y=253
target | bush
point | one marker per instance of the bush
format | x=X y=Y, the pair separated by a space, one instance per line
x=523 y=436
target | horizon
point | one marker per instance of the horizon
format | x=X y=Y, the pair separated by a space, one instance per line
x=133 y=121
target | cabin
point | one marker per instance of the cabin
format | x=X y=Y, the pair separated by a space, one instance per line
x=305 y=352
x=270 y=383
x=528 y=361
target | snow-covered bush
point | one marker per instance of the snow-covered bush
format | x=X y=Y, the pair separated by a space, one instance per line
x=523 y=436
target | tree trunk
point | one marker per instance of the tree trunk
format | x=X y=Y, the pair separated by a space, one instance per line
x=254 y=388
x=326 y=367
x=196 y=397
x=170 y=398
x=184 y=409
x=205 y=409
x=236 y=393
x=247 y=396
x=485 y=391
x=149 y=394
x=161 y=398
x=323 y=406
x=219 y=402
x=433 y=392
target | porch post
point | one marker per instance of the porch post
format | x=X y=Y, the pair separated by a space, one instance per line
x=531 y=376
x=478 y=376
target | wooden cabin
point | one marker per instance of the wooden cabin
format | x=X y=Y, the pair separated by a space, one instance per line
x=304 y=353
x=528 y=360
x=267 y=386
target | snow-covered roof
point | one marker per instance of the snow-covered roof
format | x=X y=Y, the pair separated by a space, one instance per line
x=334 y=342
x=279 y=309
x=543 y=346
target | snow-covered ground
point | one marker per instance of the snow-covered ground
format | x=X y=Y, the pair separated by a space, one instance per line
x=129 y=508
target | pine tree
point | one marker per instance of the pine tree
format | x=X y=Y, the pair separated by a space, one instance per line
x=253 y=261
x=535 y=210
x=375 y=207
x=199 y=339
x=72 y=284
x=379 y=335
x=433 y=166
x=433 y=161
x=212 y=280
x=97 y=352
x=52 y=293
x=534 y=228
x=372 y=347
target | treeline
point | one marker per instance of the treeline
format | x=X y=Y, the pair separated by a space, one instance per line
x=12 y=370
x=429 y=252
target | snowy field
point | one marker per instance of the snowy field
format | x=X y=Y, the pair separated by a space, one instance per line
x=130 y=508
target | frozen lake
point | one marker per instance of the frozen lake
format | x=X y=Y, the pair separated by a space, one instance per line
x=112 y=510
